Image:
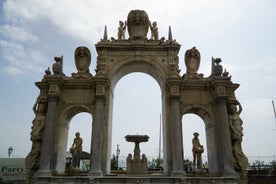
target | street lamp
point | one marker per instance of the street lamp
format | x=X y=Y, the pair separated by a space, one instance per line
x=10 y=151
x=117 y=156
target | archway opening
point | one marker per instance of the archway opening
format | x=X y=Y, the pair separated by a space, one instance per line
x=82 y=123
x=192 y=123
x=136 y=110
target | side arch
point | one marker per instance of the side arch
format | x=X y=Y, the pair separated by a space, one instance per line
x=62 y=129
x=210 y=131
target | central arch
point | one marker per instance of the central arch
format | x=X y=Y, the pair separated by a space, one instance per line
x=127 y=66
x=136 y=110
x=145 y=65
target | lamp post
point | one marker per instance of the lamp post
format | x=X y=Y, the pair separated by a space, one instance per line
x=10 y=151
x=117 y=156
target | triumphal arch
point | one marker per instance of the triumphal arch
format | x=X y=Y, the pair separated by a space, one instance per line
x=62 y=97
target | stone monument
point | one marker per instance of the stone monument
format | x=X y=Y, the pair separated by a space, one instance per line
x=61 y=97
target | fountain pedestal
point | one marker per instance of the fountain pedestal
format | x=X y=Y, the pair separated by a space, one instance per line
x=136 y=164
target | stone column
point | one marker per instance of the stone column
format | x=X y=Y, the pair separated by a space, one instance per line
x=46 y=166
x=224 y=138
x=176 y=132
x=97 y=134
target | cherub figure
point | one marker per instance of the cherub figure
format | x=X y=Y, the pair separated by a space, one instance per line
x=154 y=31
x=121 y=30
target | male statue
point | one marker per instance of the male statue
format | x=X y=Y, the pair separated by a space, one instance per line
x=197 y=151
x=76 y=150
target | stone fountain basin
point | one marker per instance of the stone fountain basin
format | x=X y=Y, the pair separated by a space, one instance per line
x=137 y=138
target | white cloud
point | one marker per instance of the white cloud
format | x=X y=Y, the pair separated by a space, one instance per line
x=17 y=34
x=14 y=71
x=12 y=52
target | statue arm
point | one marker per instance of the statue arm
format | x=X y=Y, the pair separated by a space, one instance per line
x=34 y=107
x=240 y=108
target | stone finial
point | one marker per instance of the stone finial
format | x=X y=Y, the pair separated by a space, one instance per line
x=216 y=67
x=192 y=60
x=57 y=67
x=105 y=34
x=170 y=34
x=138 y=24
x=48 y=71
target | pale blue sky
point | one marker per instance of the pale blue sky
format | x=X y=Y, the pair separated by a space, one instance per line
x=242 y=33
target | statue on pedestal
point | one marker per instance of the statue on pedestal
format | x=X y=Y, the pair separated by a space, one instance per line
x=197 y=151
x=76 y=150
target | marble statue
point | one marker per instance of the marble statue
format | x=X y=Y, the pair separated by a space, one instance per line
x=197 y=151
x=121 y=30
x=154 y=31
x=235 y=124
x=32 y=159
x=76 y=150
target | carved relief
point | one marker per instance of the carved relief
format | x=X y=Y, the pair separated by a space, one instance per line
x=173 y=61
x=174 y=90
x=101 y=66
x=54 y=89
x=100 y=90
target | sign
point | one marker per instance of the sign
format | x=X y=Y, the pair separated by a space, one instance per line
x=12 y=169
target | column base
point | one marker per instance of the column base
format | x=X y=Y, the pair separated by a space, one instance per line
x=178 y=173
x=95 y=173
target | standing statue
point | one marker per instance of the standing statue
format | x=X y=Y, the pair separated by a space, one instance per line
x=197 y=151
x=32 y=159
x=154 y=31
x=235 y=124
x=76 y=150
x=121 y=30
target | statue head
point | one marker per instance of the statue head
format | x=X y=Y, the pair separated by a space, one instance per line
x=77 y=134
x=196 y=134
